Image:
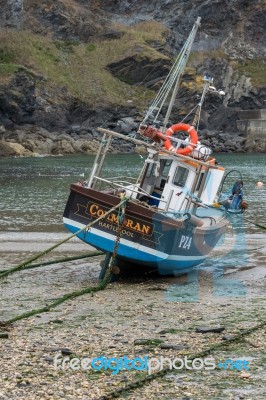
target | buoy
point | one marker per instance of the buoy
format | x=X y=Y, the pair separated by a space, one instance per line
x=259 y=184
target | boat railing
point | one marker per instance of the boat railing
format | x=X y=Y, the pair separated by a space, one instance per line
x=180 y=141
x=172 y=154
x=129 y=187
x=124 y=183
x=114 y=178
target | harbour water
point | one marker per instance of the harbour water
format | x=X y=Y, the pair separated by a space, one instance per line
x=33 y=193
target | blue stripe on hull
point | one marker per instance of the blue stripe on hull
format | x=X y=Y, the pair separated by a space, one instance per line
x=132 y=254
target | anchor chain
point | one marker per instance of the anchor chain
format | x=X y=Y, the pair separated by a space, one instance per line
x=121 y=221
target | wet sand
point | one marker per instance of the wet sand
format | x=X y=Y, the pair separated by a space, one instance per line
x=168 y=309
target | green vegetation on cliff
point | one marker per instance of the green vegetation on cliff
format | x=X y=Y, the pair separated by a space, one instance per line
x=81 y=67
x=255 y=70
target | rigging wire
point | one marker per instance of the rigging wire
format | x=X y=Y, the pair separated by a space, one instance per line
x=173 y=76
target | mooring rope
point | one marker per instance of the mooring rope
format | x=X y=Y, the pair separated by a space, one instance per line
x=146 y=379
x=57 y=261
x=87 y=227
x=102 y=285
x=255 y=223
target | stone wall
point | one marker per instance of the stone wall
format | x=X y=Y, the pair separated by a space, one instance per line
x=252 y=124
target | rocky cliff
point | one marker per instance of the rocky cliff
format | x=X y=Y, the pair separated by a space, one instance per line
x=69 y=66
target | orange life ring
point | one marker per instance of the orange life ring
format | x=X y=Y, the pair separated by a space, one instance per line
x=181 y=127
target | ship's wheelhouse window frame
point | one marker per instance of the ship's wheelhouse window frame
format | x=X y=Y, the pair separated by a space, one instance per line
x=150 y=170
x=180 y=177
x=199 y=181
x=166 y=165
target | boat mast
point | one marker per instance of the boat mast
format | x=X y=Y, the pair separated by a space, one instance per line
x=182 y=65
x=171 y=81
x=208 y=81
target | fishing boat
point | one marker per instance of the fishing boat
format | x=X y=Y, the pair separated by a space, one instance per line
x=172 y=218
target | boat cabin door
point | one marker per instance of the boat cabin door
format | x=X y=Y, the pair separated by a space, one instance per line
x=178 y=184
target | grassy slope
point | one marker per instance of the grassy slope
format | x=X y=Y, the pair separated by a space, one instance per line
x=80 y=67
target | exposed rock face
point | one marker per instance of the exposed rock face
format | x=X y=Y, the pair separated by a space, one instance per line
x=17 y=99
x=232 y=33
x=234 y=24
x=11 y=13
x=142 y=70
x=74 y=22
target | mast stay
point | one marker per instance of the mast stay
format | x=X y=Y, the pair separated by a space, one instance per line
x=172 y=81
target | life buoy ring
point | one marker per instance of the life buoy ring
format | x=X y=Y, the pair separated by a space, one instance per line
x=181 y=127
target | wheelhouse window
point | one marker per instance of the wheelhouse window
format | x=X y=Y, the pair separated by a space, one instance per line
x=180 y=177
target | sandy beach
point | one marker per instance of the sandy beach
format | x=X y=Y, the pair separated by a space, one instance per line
x=138 y=317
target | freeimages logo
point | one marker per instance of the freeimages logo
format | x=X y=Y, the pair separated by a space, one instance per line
x=116 y=365
x=151 y=365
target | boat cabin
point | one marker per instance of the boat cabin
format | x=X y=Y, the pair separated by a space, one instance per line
x=174 y=184
x=168 y=181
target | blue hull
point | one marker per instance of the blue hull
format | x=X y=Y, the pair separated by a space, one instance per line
x=148 y=238
x=165 y=263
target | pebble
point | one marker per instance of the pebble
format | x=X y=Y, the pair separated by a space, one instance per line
x=245 y=375
x=48 y=359
x=210 y=329
x=173 y=346
x=56 y=321
x=66 y=352
x=68 y=388
x=228 y=337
